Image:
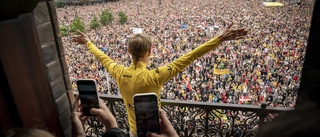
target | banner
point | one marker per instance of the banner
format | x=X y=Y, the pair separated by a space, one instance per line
x=137 y=30
x=272 y=4
x=184 y=26
x=220 y=71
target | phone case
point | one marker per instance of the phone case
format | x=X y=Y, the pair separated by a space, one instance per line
x=147 y=113
x=87 y=89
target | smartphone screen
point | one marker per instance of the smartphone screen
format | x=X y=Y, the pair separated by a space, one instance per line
x=88 y=95
x=147 y=114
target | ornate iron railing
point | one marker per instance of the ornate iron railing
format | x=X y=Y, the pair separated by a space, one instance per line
x=194 y=119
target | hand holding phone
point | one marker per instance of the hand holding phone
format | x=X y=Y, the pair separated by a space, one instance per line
x=167 y=129
x=147 y=113
x=87 y=89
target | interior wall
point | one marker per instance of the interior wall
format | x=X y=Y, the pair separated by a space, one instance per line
x=35 y=83
x=310 y=79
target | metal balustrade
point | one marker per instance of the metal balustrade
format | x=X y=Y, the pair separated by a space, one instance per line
x=197 y=119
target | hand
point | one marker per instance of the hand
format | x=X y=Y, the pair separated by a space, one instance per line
x=232 y=34
x=81 y=38
x=104 y=115
x=166 y=128
x=77 y=119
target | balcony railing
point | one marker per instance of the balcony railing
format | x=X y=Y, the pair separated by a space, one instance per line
x=194 y=119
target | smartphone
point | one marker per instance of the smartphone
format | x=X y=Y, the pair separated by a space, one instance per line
x=88 y=93
x=147 y=113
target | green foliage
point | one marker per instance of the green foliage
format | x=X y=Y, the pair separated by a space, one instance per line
x=122 y=17
x=64 y=31
x=94 y=23
x=106 y=17
x=76 y=25
x=59 y=3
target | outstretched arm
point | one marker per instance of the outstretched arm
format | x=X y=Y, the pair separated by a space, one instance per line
x=164 y=73
x=112 y=67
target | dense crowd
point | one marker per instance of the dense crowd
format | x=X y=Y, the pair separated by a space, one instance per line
x=264 y=66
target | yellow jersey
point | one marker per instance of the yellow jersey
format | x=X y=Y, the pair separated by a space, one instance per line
x=138 y=79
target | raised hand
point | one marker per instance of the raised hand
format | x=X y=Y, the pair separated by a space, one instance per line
x=81 y=38
x=232 y=34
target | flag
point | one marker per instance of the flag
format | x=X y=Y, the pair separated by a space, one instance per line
x=185 y=81
x=243 y=99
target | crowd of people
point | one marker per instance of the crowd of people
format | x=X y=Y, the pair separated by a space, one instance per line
x=264 y=66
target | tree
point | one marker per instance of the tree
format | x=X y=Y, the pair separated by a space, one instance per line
x=122 y=17
x=94 y=23
x=76 y=25
x=59 y=3
x=63 y=31
x=106 y=17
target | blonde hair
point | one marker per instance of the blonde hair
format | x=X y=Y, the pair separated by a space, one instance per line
x=138 y=46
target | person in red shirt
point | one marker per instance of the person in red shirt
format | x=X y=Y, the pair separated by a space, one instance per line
x=292 y=53
x=295 y=78
x=261 y=97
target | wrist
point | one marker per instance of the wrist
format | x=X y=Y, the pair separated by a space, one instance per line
x=88 y=42
x=110 y=123
x=221 y=38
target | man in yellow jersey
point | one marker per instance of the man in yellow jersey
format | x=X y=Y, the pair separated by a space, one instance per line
x=137 y=78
